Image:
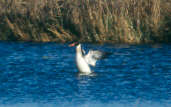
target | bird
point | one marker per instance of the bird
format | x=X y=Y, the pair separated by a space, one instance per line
x=84 y=61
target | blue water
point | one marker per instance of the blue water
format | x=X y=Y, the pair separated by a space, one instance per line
x=45 y=75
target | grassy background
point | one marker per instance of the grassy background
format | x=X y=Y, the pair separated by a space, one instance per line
x=111 y=21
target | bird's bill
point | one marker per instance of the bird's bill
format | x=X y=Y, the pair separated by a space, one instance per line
x=72 y=44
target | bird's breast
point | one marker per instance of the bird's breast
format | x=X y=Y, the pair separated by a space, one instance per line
x=82 y=65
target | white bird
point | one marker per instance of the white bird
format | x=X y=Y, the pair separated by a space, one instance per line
x=83 y=61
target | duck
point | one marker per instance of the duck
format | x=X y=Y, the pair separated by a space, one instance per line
x=84 y=61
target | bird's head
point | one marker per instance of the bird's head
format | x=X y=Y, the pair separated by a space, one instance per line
x=78 y=46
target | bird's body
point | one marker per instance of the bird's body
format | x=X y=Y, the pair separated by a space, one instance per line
x=83 y=62
x=82 y=65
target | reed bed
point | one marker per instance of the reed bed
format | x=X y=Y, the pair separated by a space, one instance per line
x=101 y=21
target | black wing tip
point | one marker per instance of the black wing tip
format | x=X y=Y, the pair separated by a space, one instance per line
x=106 y=54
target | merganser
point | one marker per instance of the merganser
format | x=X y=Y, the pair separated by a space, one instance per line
x=83 y=61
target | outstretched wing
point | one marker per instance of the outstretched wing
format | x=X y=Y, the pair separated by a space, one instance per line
x=93 y=56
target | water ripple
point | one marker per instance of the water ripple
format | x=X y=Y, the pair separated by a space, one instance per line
x=45 y=73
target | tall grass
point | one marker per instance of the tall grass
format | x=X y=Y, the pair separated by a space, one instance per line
x=114 y=21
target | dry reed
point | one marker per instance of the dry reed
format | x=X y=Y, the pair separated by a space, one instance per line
x=113 y=21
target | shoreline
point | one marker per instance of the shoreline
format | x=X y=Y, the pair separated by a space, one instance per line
x=92 y=43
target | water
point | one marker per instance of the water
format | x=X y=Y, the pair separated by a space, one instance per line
x=45 y=75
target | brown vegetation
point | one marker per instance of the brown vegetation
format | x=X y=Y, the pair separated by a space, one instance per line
x=114 y=21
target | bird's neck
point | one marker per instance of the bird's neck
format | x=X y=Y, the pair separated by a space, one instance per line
x=78 y=51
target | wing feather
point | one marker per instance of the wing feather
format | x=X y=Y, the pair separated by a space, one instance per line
x=92 y=57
